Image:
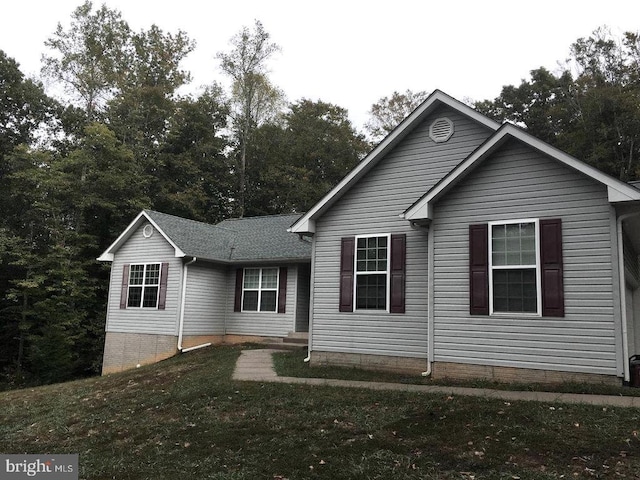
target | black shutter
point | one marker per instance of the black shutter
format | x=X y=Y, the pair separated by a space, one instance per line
x=237 y=304
x=398 y=276
x=347 y=250
x=551 y=266
x=124 y=288
x=479 y=269
x=162 y=296
x=282 y=290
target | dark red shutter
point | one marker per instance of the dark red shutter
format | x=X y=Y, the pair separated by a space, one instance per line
x=162 y=296
x=124 y=289
x=237 y=304
x=282 y=290
x=551 y=266
x=398 y=276
x=347 y=250
x=479 y=269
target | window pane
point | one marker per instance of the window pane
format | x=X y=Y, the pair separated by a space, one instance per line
x=251 y=277
x=515 y=290
x=270 y=278
x=498 y=231
x=268 y=301
x=371 y=292
x=372 y=254
x=136 y=274
x=150 y=297
x=153 y=274
x=250 y=301
x=135 y=296
x=513 y=244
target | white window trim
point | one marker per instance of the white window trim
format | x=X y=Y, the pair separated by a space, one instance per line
x=260 y=289
x=356 y=273
x=537 y=266
x=144 y=285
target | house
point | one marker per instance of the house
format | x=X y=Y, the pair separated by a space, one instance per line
x=463 y=248
x=178 y=284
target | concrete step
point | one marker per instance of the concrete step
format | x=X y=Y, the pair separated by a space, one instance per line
x=286 y=345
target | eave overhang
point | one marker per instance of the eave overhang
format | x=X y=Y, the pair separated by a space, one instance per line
x=109 y=254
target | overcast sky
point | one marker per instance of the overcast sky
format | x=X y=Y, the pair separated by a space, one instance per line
x=351 y=53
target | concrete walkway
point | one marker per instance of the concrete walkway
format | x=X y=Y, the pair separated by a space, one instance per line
x=257 y=366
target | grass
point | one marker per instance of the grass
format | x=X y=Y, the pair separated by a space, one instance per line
x=290 y=364
x=186 y=418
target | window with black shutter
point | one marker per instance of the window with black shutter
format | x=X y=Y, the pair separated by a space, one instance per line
x=515 y=267
x=372 y=273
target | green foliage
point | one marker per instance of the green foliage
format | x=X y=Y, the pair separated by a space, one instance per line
x=302 y=157
x=254 y=100
x=24 y=107
x=387 y=113
x=90 y=57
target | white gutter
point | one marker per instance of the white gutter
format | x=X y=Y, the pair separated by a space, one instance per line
x=623 y=295
x=182 y=306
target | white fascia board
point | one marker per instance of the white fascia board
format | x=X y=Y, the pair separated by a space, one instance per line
x=306 y=224
x=109 y=254
x=617 y=190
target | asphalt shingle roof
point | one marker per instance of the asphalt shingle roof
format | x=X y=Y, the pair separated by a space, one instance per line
x=252 y=239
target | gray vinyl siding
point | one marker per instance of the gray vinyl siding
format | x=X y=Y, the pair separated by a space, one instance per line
x=519 y=183
x=145 y=320
x=266 y=324
x=206 y=300
x=373 y=207
x=302 y=299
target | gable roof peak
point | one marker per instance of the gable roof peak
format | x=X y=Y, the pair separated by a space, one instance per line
x=306 y=223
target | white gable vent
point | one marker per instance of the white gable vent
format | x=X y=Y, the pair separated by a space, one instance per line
x=441 y=130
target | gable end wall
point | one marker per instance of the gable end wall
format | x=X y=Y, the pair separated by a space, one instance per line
x=373 y=206
x=517 y=183
x=144 y=320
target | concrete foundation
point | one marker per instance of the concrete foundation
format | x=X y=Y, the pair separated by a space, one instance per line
x=457 y=371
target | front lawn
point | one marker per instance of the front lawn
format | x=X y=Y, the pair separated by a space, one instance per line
x=186 y=418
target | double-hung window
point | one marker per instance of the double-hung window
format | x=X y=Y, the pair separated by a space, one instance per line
x=372 y=272
x=260 y=289
x=143 y=286
x=514 y=263
x=516 y=267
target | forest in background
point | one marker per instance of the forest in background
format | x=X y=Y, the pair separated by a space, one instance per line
x=77 y=167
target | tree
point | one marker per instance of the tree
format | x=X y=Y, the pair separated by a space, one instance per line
x=253 y=98
x=388 y=112
x=589 y=108
x=146 y=98
x=90 y=57
x=194 y=178
x=24 y=107
x=302 y=157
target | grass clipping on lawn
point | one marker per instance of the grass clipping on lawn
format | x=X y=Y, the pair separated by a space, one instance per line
x=186 y=418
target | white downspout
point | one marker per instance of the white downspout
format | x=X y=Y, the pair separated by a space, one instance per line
x=430 y=342
x=623 y=295
x=311 y=298
x=182 y=307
